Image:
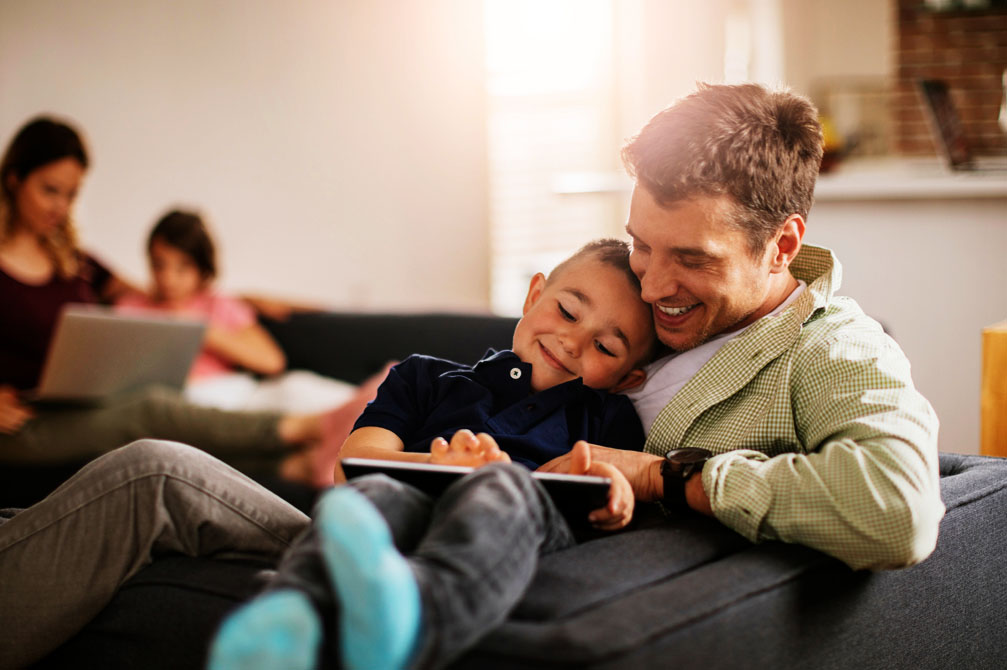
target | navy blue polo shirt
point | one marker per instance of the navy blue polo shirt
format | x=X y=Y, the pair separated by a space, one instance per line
x=425 y=397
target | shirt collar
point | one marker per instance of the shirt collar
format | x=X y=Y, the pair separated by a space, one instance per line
x=495 y=364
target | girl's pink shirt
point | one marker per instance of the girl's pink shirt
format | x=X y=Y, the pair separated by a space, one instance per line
x=217 y=310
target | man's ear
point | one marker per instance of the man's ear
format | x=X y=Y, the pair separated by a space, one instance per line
x=787 y=243
x=633 y=378
x=534 y=291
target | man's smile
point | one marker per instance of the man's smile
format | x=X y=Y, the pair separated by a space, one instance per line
x=676 y=311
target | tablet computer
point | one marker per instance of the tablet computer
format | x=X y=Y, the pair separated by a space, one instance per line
x=574 y=495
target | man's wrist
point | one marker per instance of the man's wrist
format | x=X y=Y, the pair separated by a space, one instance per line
x=656 y=481
x=695 y=495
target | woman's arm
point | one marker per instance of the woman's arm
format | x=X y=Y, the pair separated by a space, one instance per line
x=250 y=347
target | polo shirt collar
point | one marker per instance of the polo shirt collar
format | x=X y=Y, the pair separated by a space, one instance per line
x=504 y=370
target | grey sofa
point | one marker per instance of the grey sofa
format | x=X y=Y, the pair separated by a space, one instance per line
x=687 y=593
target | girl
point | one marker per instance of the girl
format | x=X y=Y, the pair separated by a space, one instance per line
x=237 y=350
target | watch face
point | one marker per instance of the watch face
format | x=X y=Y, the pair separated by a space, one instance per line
x=688 y=455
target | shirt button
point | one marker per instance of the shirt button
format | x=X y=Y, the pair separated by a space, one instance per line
x=515 y=373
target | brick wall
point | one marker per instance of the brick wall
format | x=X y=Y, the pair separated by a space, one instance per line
x=966 y=48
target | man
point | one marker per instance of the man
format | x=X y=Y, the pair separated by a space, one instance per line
x=817 y=435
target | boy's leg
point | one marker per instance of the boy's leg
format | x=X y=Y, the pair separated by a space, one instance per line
x=283 y=627
x=64 y=558
x=471 y=567
x=479 y=556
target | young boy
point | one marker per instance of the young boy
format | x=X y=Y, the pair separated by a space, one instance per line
x=418 y=581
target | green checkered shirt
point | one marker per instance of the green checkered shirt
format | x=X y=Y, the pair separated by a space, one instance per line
x=821 y=437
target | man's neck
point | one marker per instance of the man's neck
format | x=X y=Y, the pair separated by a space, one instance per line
x=780 y=287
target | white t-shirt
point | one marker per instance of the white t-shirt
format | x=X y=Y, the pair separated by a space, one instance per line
x=666 y=376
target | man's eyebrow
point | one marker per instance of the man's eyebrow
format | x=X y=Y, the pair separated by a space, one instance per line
x=692 y=252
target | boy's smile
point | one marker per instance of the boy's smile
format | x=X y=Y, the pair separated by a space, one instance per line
x=587 y=321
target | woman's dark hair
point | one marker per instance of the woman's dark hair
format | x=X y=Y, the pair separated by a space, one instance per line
x=41 y=141
x=187 y=232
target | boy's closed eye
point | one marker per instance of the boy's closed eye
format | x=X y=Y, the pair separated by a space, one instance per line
x=566 y=313
x=605 y=350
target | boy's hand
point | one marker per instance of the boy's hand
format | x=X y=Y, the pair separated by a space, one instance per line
x=621 y=500
x=13 y=413
x=467 y=449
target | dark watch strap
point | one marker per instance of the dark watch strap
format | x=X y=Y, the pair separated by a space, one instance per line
x=674 y=488
x=677 y=467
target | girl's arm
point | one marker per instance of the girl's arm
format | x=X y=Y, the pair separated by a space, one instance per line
x=250 y=347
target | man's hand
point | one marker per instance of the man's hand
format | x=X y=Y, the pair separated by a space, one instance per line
x=621 y=502
x=467 y=449
x=13 y=414
x=643 y=471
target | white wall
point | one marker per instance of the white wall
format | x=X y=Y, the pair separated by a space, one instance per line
x=338 y=148
x=830 y=39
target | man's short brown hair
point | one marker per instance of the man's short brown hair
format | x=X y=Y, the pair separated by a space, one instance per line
x=762 y=148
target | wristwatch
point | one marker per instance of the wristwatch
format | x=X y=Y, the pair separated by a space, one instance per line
x=678 y=465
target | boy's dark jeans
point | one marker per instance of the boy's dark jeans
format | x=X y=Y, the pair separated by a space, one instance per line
x=473 y=551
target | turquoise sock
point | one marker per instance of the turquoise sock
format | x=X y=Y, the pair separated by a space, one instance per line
x=380 y=609
x=278 y=630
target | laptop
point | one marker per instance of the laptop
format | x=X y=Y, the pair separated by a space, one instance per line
x=97 y=352
x=948 y=133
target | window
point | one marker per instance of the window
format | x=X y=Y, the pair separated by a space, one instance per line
x=550 y=81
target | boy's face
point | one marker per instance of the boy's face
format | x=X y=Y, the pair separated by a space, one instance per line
x=588 y=322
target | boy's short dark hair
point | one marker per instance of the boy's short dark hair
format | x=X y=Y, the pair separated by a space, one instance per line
x=761 y=147
x=608 y=250
x=187 y=232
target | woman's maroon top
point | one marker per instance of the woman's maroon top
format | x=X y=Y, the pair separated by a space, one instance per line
x=28 y=314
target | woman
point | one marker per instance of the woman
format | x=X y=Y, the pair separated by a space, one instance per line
x=41 y=270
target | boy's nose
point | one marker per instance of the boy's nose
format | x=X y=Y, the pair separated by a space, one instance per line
x=571 y=344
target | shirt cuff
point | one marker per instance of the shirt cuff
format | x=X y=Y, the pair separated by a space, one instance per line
x=739 y=496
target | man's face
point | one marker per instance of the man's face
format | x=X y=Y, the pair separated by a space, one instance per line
x=696 y=269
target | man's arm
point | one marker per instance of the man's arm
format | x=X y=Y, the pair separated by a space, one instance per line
x=866 y=489
x=867 y=492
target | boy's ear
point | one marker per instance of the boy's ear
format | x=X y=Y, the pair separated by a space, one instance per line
x=633 y=378
x=534 y=291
